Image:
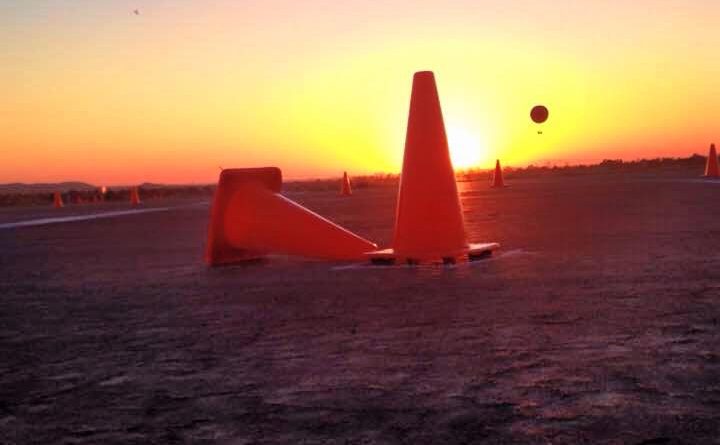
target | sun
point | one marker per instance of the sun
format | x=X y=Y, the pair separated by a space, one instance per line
x=466 y=149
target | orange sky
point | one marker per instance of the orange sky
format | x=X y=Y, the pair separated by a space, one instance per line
x=93 y=92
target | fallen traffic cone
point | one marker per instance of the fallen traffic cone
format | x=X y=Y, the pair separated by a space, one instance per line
x=219 y=250
x=135 y=196
x=57 y=200
x=345 y=189
x=250 y=218
x=429 y=223
x=498 y=180
x=711 y=167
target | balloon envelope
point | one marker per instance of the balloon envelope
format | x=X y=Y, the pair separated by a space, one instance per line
x=539 y=114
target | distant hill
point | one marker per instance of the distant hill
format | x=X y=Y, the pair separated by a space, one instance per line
x=19 y=194
x=19 y=188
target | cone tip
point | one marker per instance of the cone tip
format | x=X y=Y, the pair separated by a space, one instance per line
x=423 y=75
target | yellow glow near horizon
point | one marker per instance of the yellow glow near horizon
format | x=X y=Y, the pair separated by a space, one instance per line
x=94 y=92
x=466 y=150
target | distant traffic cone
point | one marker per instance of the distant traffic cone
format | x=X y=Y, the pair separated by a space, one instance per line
x=711 y=167
x=429 y=223
x=57 y=200
x=250 y=218
x=345 y=188
x=134 y=196
x=498 y=180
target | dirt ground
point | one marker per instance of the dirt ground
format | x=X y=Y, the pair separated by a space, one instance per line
x=597 y=322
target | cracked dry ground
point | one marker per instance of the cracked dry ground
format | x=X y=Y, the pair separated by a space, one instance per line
x=597 y=322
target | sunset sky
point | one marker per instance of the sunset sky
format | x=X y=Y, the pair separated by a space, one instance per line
x=93 y=92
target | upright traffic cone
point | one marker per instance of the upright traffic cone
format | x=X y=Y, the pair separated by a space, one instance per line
x=345 y=189
x=429 y=223
x=134 y=196
x=250 y=218
x=57 y=200
x=498 y=180
x=711 y=167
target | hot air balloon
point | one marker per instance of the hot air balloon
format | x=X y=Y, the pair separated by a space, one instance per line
x=539 y=114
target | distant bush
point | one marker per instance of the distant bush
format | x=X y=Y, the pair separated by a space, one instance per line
x=71 y=197
x=694 y=163
x=148 y=192
x=357 y=183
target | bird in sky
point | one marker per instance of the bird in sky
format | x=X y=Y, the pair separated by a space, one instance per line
x=136 y=11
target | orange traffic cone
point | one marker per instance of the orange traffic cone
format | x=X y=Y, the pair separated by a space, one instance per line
x=58 y=201
x=711 y=168
x=250 y=218
x=429 y=223
x=345 y=189
x=134 y=196
x=498 y=180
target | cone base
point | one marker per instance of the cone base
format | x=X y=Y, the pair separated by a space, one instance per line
x=218 y=251
x=474 y=251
